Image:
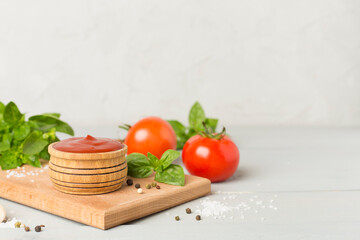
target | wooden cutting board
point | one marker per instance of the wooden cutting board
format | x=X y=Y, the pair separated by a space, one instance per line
x=32 y=187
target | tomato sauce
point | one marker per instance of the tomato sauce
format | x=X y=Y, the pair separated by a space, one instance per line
x=88 y=144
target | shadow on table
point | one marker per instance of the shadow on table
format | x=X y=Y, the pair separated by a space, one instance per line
x=240 y=174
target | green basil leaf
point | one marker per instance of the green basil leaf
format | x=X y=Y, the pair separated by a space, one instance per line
x=196 y=117
x=9 y=160
x=5 y=143
x=55 y=115
x=44 y=154
x=2 y=108
x=22 y=131
x=32 y=160
x=191 y=133
x=173 y=175
x=11 y=113
x=211 y=123
x=138 y=165
x=178 y=127
x=180 y=131
x=34 y=143
x=167 y=158
x=45 y=122
x=154 y=161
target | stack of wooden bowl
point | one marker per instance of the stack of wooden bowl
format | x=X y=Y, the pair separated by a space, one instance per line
x=87 y=173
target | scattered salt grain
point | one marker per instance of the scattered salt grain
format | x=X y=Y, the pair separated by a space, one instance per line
x=214 y=209
x=21 y=172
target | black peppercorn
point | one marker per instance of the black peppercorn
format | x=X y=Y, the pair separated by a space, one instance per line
x=129 y=182
x=37 y=229
x=177 y=218
x=137 y=185
x=188 y=210
x=198 y=217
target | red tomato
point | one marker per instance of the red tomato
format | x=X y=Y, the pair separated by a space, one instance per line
x=151 y=134
x=216 y=160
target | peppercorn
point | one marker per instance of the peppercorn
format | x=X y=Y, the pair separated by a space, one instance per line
x=22 y=225
x=129 y=182
x=198 y=217
x=177 y=218
x=140 y=190
x=148 y=186
x=37 y=229
x=157 y=187
x=42 y=226
x=27 y=229
x=17 y=224
x=5 y=220
x=188 y=210
x=153 y=184
x=137 y=185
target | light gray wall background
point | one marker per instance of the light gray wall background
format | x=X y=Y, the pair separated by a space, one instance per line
x=258 y=62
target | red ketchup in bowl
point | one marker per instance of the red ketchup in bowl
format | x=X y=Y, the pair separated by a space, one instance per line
x=88 y=144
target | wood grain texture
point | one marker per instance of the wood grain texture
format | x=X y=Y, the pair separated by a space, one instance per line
x=95 y=171
x=102 y=211
x=82 y=185
x=88 y=178
x=87 y=170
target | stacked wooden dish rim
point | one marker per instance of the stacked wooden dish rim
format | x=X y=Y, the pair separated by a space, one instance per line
x=87 y=173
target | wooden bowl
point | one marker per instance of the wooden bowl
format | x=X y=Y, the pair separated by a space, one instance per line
x=87 y=173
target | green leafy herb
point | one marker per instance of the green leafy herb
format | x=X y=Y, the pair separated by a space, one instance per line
x=196 y=119
x=171 y=175
x=26 y=142
x=140 y=166
x=12 y=113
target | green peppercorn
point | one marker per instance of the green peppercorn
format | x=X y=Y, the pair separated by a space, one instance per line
x=188 y=210
x=157 y=187
x=198 y=217
x=177 y=218
x=37 y=229
x=153 y=184
x=129 y=182
x=148 y=186
x=17 y=224
x=137 y=185
x=27 y=229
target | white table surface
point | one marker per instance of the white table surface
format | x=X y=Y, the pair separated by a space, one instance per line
x=300 y=183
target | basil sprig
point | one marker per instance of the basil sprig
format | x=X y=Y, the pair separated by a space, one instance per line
x=26 y=142
x=140 y=166
x=196 y=119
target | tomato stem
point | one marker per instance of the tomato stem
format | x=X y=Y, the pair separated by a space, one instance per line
x=208 y=132
x=125 y=126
